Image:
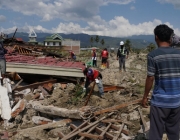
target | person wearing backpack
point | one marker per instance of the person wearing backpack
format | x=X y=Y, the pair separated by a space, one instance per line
x=122 y=55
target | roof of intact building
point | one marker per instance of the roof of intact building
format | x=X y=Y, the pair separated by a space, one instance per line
x=54 y=37
x=45 y=66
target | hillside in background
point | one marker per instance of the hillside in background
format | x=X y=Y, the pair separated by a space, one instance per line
x=141 y=41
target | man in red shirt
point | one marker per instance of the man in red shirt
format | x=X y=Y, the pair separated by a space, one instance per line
x=93 y=75
x=104 y=56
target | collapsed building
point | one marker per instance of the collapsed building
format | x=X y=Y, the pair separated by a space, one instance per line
x=43 y=99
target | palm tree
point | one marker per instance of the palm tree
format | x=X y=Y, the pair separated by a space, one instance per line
x=91 y=40
x=97 y=39
x=102 y=42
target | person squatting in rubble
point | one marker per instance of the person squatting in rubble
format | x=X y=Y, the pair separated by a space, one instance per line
x=93 y=75
x=72 y=55
x=163 y=68
x=104 y=57
x=122 y=55
x=94 y=58
x=3 y=51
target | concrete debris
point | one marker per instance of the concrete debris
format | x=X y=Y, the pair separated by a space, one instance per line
x=5 y=104
x=51 y=106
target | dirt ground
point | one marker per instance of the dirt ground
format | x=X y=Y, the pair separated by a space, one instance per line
x=132 y=80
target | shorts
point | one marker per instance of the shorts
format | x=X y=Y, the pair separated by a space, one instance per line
x=104 y=59
x=3 y=66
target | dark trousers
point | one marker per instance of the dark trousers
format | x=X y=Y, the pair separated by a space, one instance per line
x=122 y=63
x=94 y=63
x=164 y=120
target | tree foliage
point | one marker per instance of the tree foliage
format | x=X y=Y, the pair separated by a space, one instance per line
x=151 y=47
x=97 y=39
x=128 y=44
x=102 y=42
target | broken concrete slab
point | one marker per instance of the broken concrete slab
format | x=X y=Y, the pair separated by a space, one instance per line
x=5 y=104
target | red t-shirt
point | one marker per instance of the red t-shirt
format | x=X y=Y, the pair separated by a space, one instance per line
x=94 y=76
x=104 y=53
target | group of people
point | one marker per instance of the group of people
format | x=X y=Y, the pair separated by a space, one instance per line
x=163 y=68
x=122 y=54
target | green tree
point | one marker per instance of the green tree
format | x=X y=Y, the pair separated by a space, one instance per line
x=97 y=39
x=102 y=42
x=151 y=47
x=91 y=40
x=128 y=45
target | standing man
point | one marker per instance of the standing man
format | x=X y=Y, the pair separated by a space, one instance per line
x=94 y=58
x=163 y=67
x=122 y=54
x=94 y=75
x=3 y=51
x=104 y=57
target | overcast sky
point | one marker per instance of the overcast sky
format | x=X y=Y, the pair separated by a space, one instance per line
x=117 y=18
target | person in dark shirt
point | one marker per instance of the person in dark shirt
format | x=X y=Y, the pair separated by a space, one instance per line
x=3 y=51
x=94 y=58
x=122 y=55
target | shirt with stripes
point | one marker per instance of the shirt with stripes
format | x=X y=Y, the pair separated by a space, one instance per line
x=164 y=64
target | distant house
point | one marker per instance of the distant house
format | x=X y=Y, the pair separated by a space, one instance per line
x=53 y=40
x=68 y=44
x=32 y=37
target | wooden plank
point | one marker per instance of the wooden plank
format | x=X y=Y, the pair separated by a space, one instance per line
x=79 y=127
x=104 y=132
x=17 y=85
x=120 y=130
x=117 y=128
x=117 y=120
x=107 y=134
x=35 y=85
x=87 y=127
x=87 y=100
x=90 y=130
x=110 y=109
x=92 y=136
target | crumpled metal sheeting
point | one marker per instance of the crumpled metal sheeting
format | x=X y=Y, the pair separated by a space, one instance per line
x=50 y=61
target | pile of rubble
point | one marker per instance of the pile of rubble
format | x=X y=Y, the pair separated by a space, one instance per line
x=53 y=109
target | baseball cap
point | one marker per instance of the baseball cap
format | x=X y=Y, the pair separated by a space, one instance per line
x=90 y=72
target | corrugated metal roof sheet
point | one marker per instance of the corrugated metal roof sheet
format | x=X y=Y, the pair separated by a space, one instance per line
x=45 y=61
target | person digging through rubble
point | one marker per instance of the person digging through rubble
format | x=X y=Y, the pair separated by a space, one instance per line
x=93 y=75
x=3 y=51
x=163 y=68
x=122 y=55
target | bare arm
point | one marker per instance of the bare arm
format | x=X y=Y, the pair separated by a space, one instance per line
x=148 y=86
